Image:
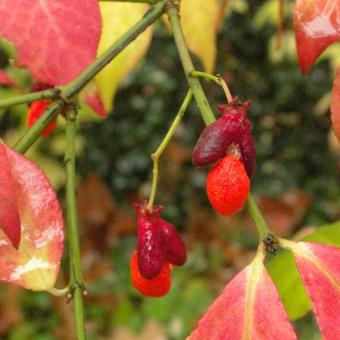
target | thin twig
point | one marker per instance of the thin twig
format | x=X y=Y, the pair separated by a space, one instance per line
x=155 y=156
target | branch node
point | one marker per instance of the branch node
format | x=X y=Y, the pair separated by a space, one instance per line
x=271 y=244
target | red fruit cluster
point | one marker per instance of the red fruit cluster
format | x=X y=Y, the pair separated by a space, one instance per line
x=35 y=111
x=158 y=246
x=228 y=186
x=228 y=142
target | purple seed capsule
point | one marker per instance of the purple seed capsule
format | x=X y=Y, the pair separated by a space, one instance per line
x=247 y=148
x=174 y=247
x=231 y=129
x=215 y=139
x=158 y=242
x=150 y=253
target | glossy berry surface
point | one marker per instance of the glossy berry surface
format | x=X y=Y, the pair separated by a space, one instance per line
x=228 y=186
x=157 y=241
x=174 y=248
x=155 y=287
x=151 y=257
x=35 y=111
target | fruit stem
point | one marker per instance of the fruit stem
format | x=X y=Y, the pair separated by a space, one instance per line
x=155 y=156
x=218 y=79
x=76 y=275
x=194 y=83
x=69 y=91
x=226 y=89
x=255 y=213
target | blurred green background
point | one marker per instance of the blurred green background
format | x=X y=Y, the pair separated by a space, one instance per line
x=296 y=181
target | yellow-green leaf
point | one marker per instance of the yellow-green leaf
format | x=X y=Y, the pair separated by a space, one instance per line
x=199 y=20
x=117 y=19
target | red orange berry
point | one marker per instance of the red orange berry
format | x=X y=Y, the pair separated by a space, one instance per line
x=155 y=287
x=228 y=185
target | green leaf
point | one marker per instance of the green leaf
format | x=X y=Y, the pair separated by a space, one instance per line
x=283 y=272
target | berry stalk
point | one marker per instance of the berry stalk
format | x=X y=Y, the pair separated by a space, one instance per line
x=218 y=80
x=155 y=156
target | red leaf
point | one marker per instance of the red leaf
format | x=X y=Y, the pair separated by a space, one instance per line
x=248 y=308
x=9 y=213
x=91 y=97
x=335 y=105
x=35 y=264
x=319 y=266
x=95 y=102
x=317 y=25
x=55 y=39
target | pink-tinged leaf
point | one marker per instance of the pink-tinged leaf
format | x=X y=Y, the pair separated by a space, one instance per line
x=317 y=25
x=9 y=213
x=91 y=97
x=319 y=266
x=35 y=264
x=335 y=105
x=248 y=308
x=56 y=40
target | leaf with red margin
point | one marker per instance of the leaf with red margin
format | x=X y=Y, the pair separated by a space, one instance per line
x=248 y=308
x=35 y=264
x=9 y=213
x=335 y=104
x=56 y=40
x=317 y=25
x=319 y=266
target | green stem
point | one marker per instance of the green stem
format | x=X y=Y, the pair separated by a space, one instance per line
x=72 y=89
x=33 y=133
x=155 y=156
x=217 y=79
x=30 y=97
x=261 y=225
x=195 y=85
x=76 y=276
